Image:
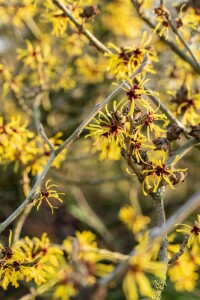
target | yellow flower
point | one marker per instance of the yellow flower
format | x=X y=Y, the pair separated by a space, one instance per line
x=90 y=70
x=187 y=21
x=32 y=56
x=162 y=18
x=88 y=256
x=192 y=231
x=109 y=130
x=157 y=172
x=184 y=271
x=127 y=59
x=47 y=194
x=135 y=281
x=38 y=161
x=148 y=121
x=138 y=144
x=133 y=220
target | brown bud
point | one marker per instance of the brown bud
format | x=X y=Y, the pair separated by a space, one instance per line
x=179 y=23
x=89 y=12
x=195 y=132
x=177 y=177
x=161 y=144
x=173 y=132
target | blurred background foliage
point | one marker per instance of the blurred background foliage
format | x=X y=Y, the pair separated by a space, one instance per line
x=72 y=78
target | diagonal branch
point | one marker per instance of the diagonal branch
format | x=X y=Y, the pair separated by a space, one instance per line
x=75 y=135
x=80 y=28
x=172 y=45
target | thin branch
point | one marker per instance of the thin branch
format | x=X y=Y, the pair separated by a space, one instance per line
x=155 y=234
x=184 y=42
x=72 y=138
x=45 y=138
x=173 y=46
x=182 y=151
x=30 y=197
x=181 y=250
x=80 y=28
x=98 y=107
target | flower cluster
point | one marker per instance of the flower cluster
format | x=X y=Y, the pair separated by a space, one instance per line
x=20 y=145
x=28 y=260
x=137 y=135
x=126 y=59
x=135 y=221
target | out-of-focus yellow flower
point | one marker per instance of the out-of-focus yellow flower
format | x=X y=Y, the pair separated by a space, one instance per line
x=47 y=195
x=187 y=21
x=186 y=105
x=192 y=231
x=119 y=16
x=36 y=164
x=136 y=282
x=65 y=81
x=16 y=12
x=74 y=43
x=89 y=70
x=133 y=220
x=87 y=255
x=184 y=271
x=31 y=56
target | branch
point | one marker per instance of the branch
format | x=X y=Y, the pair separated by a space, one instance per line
x=45 y=138
x=173 y=46
x=80 y=28
x=182 y=151
x=184 y=43
x=75 y=135
x=98 y=107
x=181 y=251
x=155 y=234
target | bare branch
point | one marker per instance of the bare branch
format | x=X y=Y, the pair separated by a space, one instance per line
x=45 y=138
x=85 y=32
x=181 y=251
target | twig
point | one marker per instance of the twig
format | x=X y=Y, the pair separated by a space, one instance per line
x=79 y=26
x=30 y=197
x=75 y=135
x=182 y=151
x=45 y=138
x=183 y=42
x=181 y=251
x=173 y=46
